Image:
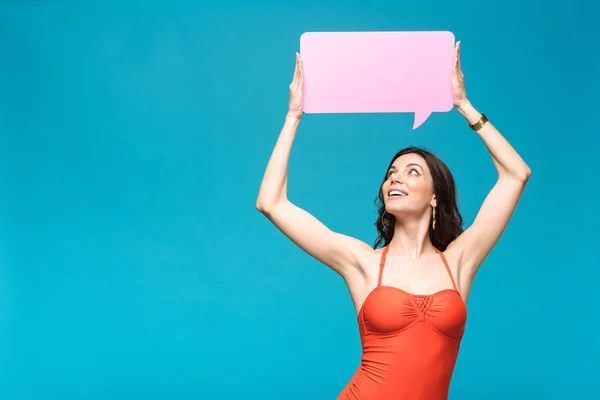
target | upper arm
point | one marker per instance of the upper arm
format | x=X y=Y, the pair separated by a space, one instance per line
x=333 y=249
x=476 y=242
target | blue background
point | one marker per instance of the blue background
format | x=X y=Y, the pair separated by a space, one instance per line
x=133 y=263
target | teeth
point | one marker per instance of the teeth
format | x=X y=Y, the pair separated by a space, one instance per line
x=396 y=193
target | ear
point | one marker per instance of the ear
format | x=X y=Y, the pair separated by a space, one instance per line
x=433 y=202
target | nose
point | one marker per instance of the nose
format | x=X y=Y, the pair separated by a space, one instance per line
x=395 y=178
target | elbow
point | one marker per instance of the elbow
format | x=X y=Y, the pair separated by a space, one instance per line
x=264 y=207
x=267 y=206
x=267 y=200
x=522 y=175
x=526 y=174
x=260 y=206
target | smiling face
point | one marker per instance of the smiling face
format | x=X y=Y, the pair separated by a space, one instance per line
x=409 y=186
x=416 y=181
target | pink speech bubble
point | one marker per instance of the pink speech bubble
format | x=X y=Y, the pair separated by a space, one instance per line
x=353 y=72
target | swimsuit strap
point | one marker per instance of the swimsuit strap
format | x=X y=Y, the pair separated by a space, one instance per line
x=382 y=263
x=447 y=268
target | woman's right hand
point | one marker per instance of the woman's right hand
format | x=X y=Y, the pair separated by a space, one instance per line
x=295 y=105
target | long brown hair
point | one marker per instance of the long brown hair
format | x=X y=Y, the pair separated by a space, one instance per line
x=448 y=221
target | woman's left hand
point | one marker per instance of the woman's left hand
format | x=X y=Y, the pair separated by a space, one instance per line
x=459 y=94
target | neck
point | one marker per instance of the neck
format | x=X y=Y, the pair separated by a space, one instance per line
x=411 y=238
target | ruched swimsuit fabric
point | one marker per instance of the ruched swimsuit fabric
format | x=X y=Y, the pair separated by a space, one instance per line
x=410 y=342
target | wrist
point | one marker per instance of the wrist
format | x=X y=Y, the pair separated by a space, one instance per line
x=293 y=117
x=467 y=110
x=463 y=106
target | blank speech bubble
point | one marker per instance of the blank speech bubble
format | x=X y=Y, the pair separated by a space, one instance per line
x=368 y=72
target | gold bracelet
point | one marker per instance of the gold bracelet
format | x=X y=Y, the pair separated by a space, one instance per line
x=479 y=124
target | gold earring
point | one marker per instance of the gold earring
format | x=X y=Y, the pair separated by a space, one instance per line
x=433 y=218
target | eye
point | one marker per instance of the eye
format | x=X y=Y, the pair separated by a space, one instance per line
x=412 y=169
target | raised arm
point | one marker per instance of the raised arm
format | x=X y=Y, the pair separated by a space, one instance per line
x=332 y=249
x=475 y=243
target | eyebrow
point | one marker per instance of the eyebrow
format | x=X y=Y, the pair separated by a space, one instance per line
x=407 y=165
x=414 y=164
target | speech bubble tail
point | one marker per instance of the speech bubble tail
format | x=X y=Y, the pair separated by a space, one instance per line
x=420 y=118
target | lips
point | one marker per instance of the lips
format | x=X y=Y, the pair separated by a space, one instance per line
x=397 y=193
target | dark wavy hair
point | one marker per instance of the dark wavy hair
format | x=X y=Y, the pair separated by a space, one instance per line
x=448 y=220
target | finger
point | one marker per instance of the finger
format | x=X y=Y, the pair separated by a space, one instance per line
x=300 y=69
x=295 y=77
x=460 y=72
x=455 y=71
x=455 y=58
x=298 y=83
x=457 y=68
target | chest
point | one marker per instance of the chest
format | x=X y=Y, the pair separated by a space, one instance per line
x=389 y=309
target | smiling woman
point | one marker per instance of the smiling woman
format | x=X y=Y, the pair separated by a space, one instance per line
x=427 y=189
x=412 y=324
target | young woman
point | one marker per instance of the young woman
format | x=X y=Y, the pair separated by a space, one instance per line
x=410 y=290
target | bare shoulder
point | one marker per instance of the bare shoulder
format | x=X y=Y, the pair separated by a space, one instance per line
x=363 y=257
x=367 y=261
x=365 y=264
x=360 y=250
x=463 y=275
x=453 y=256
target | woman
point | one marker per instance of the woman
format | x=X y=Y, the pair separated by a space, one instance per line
x=410 y=290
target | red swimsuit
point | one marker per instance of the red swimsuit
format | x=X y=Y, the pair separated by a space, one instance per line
x=410 y=343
